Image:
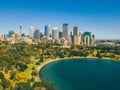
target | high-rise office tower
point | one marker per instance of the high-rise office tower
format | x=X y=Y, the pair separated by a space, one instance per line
x=76 y=39
x=60 y=34
x=87 y=38
x=36 y=34
x=75 y=31
x=65 y=30
x=70 y=33
x=55 y=33
x=82 y=37
x=20 y=29
x=11 y=33
x=47 y=30
x=31 y=31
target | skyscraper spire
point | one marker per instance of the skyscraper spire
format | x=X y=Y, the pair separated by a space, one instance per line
x=20 y=29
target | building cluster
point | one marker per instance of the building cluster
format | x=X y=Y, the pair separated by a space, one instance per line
x=51 y=36
x=110 y=43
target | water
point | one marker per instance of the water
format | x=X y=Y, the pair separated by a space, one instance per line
x=83 y=74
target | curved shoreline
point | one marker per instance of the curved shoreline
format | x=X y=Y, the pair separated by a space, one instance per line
x=60 y=59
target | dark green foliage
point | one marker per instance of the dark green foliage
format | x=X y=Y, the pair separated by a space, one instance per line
x=1 y=76
x=47 y=85
x=23 y=86
x=21 y=66
x=5 y=83
x=41 y=58
x=98 y=55
x=37 y=63
x=112 y=56
x=117 y=50
x=60 y=54
x=33 y=68
x=32 y=79
x=34 y=73
x=79 y=53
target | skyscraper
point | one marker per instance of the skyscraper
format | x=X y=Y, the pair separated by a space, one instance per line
x=60 y=34
x=47 y=30
x=65 y=30
x=70 y=34
x=11 y=34
x=55 y=33
x=76 y=39
x=31 y=31
x=75 y=31
x=87 y=38
x=36 y=34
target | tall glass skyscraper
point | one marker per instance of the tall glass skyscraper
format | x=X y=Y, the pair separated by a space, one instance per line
x=47 y=30
x=65 y=30
x=55 y=33
x=31 y=31
x=75 y=31
x=37 y=34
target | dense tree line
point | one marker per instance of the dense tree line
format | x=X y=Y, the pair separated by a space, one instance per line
x=15 y=58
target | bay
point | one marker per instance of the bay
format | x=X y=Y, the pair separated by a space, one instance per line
x=83 y=74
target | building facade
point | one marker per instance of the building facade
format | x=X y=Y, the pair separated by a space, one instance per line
x=31 y=32
x=11 y=34
x=75 y=31
x=36 y=34
x=76 y=40
x=65 y=30
x=60 y=34
x=47 y=30
x=55 y=33
x=87 y=38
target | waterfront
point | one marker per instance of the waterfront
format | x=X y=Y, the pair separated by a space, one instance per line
x=83 y=74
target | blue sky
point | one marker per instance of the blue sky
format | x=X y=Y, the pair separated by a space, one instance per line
x=101 y=17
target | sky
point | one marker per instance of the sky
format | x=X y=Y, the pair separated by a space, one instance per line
x=101 y=17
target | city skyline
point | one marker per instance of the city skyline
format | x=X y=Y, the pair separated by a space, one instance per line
x=100 y=17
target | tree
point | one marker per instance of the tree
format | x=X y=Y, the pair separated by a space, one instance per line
x=5 y=83
x=41 y=58
x=112 y=56
x=34 y=73
x=1 y=76
x=61 y=55
x=98 y=55
x=23 y=86
x=21 y=66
